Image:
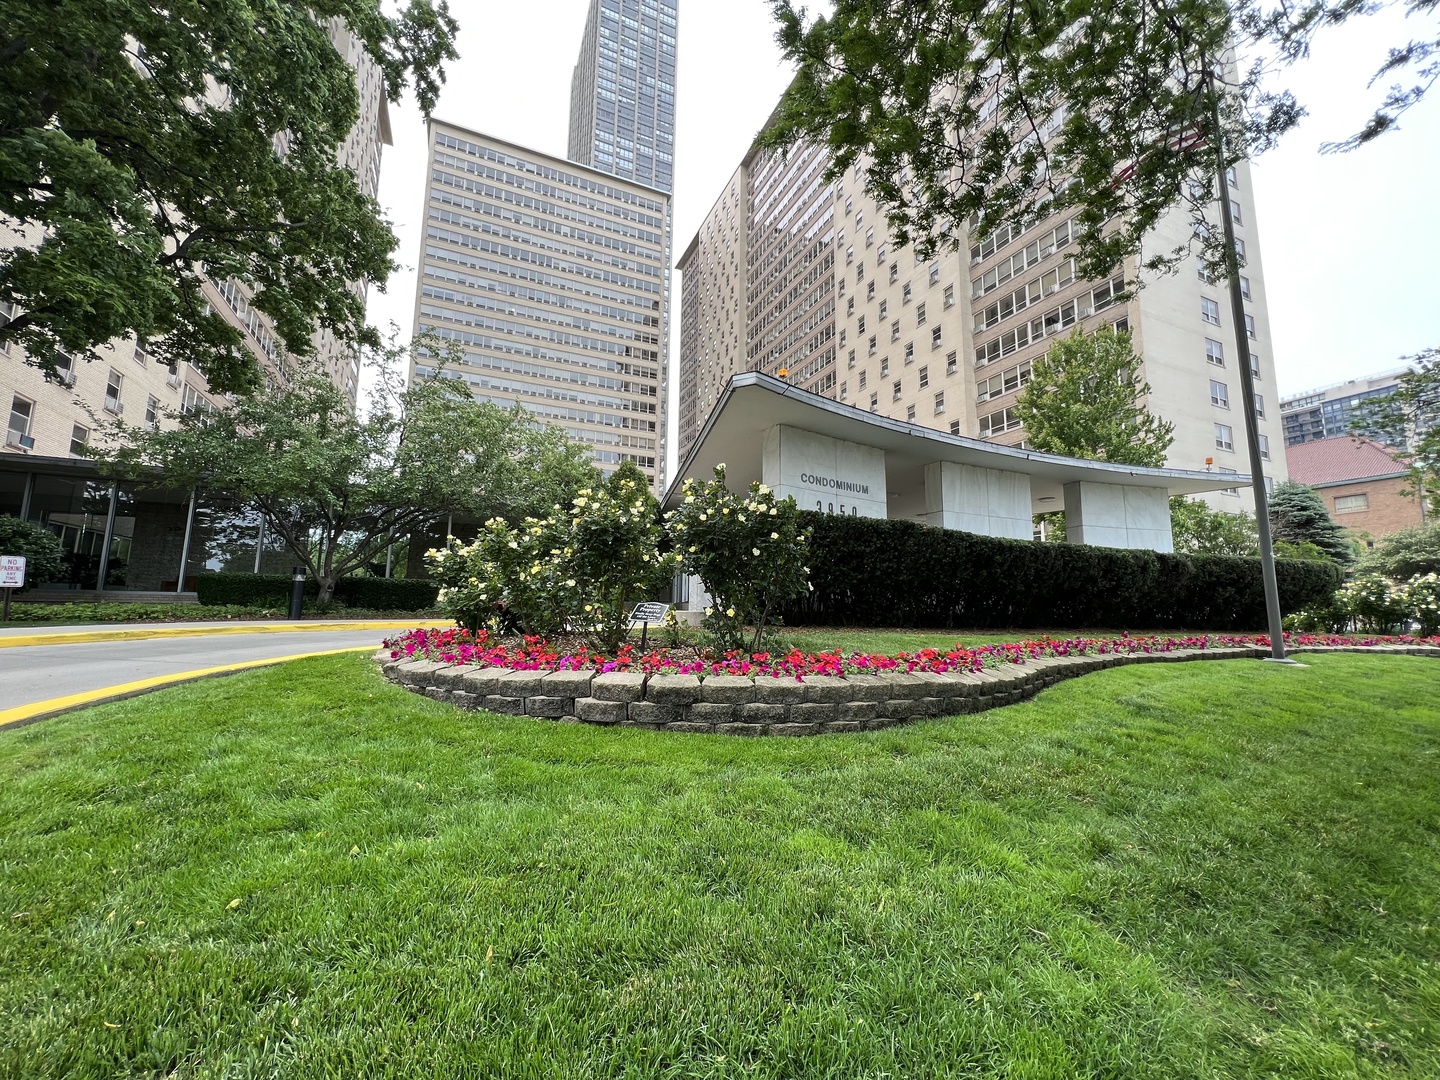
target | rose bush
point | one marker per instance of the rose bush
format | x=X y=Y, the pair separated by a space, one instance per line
x=748 y=551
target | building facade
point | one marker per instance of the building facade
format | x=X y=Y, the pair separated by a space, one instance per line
x=1361 y=482
x=549 y=280
x=948 y=342
x=622 y=92
x=1327 y=413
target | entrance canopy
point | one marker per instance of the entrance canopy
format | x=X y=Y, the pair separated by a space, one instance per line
x=839 y=459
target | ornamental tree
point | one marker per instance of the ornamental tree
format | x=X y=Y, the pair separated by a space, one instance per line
x=337 y=487
x=142 y=145
x=1086 y=398
x=1410 y=418
x=749 y=552
x=1298 y=516
x=1199 y=530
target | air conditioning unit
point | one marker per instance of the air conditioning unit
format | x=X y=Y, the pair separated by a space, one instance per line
x=68 y=378
x=26 y=442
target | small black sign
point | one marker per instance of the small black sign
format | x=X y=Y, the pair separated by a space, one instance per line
x=649 y=613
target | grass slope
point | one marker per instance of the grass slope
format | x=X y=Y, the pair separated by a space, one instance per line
x=1190 y=870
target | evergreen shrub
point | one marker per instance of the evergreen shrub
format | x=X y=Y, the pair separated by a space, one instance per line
x=873 y=572
x=273 y=591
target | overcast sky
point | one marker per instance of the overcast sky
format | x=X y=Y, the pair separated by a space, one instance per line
x=1349 y=241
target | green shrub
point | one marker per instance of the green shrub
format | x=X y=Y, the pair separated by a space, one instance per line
x=1404 y=554
x=273 y=591
x=44 y=556
x=875 y=572
x=1375 y=603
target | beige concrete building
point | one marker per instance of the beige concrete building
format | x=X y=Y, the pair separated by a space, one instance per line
x=55 y=419
x=947 y=343
x=549 y=278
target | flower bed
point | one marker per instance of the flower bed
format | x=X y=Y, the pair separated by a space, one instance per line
x=459 y=647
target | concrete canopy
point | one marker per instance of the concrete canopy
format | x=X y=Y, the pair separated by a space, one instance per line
x=754 y=404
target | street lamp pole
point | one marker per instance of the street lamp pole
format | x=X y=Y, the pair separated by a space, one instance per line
x=1247 y=381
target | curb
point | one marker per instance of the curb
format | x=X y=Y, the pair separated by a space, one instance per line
x=142 y=633
x=813 y=705
x=43 y=710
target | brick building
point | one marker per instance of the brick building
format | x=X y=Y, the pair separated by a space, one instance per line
x=1360 y=483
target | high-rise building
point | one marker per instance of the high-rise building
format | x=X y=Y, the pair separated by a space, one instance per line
x=50 y=419
x=1326 y=413
x=622 y=93
x=948 y=342
x=549 y=278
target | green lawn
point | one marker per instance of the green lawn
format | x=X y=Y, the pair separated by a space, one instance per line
x=1180 y=870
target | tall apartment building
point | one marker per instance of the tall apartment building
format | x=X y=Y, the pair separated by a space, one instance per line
x=948 y=342
x=1326 y=413
x=48 y=419
x=550 y=279
x=622 y=93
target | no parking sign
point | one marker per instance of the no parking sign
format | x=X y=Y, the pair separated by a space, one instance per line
x=12 y=571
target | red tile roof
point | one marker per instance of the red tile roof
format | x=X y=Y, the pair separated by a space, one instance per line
x=1334 y=461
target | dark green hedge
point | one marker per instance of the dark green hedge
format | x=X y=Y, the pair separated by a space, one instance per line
x=871 y=572
x=273 y=590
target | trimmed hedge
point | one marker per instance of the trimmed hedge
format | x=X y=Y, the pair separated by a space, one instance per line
x=273 y=591
x=874 y=572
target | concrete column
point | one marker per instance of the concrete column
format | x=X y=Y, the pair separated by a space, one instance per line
x=1112 y=515
x=829 y=475
x=991 y=502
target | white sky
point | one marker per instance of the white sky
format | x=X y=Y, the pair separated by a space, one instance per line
x=1349 y=241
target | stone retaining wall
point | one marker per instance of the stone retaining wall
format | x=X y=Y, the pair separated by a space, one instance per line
x=736 y=705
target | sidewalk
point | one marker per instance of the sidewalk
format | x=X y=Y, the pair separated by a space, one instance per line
x=15 y=637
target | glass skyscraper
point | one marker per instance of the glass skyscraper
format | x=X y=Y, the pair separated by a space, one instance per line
x=622 y=95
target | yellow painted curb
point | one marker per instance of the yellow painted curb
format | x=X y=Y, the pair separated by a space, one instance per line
x=141 y=633
x=39 y=710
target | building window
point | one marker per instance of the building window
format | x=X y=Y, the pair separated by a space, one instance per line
x=850 y=306
x=949 y=296
x=1209 y=311
x=954 y=427
x=872 y=344
x=910 y=413
x=859 y=217
x=1245 y=287
x=940 y=403
x=919 y=314
x=1254 y=365
x=924 y=377
x=884 y=307
x=18 y=433
x=884 y=366
x=863 y=376
x=1235 y=215
x=1250 y=326
x=1219 y=394
x=874 y=402
x=905 y=293
x=860 y=326
x=79 y=436
x=870 y=290
x=1265 y=447
x=880 y=254
x=895 y=330
x=1240 y=250
x=142 y=354
x=844 y=391
x=934 y=273
x=112 y=393
x=152 y=413
x=870 y=237
x=909 y=352
x=1351 y=504
x=849 y=254
x=1229 y=491
x=859 y=273
x=1202 y=271
x=851 y=358
x=935 y=337
x=842 y=335
x=894 y=273
x=1224 y=437
x=952 y=363
x=1231 y=178
x=895 y=390
x=1214 y=352
x=1259 y=406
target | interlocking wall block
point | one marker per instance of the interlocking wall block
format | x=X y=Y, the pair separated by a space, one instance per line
x=482 y=682
x=905 y=686
x=858 y=710
x=618 y=686
x=814 y=712
x=711 y=712
x=782 y=691
x=507 y=706
x=679 y=690
x=571 y=684
x=794 y=729
x=691 y=726
x=650 y=712
x=739 y=729
x=595 y=711
x=826 y=689
x=868 y=687
x=757 y=712
x=727 y=689
x=550 y=707
x=520 y=684
x=451 y=677
x=416 y=672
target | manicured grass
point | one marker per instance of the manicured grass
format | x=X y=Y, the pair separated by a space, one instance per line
x=1180 y=870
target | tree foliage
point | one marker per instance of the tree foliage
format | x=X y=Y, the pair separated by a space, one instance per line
x=1200 y=530
x=1410 y=418
x=41 y=548
x=142 y=144
x=337 y=487
x=1405 y=554
x=1298 y=516
x=973 y=115
x=1086 y=398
